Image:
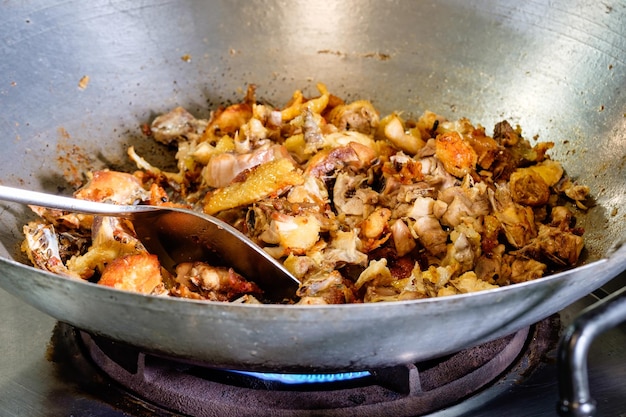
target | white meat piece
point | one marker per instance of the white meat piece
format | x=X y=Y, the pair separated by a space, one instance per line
x=464 y=201
x=427 y=227
x=350 y=198
x=402 y=238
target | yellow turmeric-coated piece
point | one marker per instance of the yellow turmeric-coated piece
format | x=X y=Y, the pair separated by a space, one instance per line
x=264 y=180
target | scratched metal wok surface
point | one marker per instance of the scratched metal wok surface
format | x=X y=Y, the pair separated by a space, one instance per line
x=558 y=70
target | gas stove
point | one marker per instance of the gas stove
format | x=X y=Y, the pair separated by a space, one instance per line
x=52 y=369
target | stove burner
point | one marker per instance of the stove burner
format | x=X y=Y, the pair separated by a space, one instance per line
x=410 y=390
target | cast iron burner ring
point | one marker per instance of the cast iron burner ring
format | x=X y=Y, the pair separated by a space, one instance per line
x=409 y=390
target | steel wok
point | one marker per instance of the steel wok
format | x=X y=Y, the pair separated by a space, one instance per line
x=78 y=79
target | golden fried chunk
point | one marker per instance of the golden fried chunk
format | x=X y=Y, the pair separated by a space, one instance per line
x=353 y=154
x=469 y=282
x=555 y=244
x=523 y=269
x=486 y=148
x=112 y=238
x=528 y=187
x=227 y=121
x=113 y=186
x=576 y=192
x=457 y=155
x=550 y=171
x=138 y=273
x=296 y=234
x=402 y=239
x=375 y=229
x=518 y=221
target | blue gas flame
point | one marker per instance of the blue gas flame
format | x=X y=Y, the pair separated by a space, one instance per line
x=306 y=378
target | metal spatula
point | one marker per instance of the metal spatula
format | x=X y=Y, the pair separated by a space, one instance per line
x=178 y=235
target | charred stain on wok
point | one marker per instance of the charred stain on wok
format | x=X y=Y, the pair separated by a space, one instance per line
x=380 y=56
x=73 y=160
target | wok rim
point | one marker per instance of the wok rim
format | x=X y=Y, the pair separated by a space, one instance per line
x=166 y=300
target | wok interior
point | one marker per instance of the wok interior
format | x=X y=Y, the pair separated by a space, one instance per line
x=556 y=70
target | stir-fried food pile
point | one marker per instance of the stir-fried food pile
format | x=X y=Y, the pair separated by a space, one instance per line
x=359 y=207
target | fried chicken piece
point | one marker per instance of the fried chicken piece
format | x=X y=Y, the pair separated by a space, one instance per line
x=351 y=196
x=331 y=287
x=558 y=242
x=138 y=273
x=517 y=221
x=504 y=134
x=63 y=219
x=296 y=234
x=403 y=169
x=111 y=238
x=226 y=121
x=113 y=186
x=298 y=104
x=486 y=148
x=464 y=248
x=176 y=125
x=456 y=154
x=524 y=269
x=270 y=178
x=490 y=232
x=354 y=154
x=435 y=174
x=561 y=247
x=469 y=282
x=529 y=188
x=427 y=227
x=312 y=131
x=490 y=267
x=199 y=280
x=576 y=192
x=344 y=248
x=378 y=281
x=359 y=115
x=467 y=200
x=375 y=229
